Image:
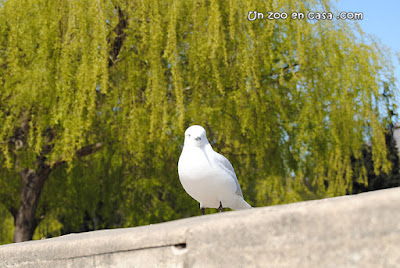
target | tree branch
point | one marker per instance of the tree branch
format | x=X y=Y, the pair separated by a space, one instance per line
x=119 y=39
x=82 y=152
x=13 y=211
x=89 y=149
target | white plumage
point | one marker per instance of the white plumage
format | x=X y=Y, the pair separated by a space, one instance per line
x=206 y=175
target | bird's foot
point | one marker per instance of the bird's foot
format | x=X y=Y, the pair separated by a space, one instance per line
x=202 y=211
x=220 y=207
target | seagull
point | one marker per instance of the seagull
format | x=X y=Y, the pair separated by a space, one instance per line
x=207 y=176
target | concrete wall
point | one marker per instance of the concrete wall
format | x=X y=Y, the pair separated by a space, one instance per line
x=351 y=231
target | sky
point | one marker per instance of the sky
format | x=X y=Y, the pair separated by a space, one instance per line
x=381 y=19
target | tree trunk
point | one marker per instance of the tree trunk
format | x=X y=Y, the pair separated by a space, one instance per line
x=33 y=182
x=32 y=185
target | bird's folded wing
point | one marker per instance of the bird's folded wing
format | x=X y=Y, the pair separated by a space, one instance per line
x=224 y=163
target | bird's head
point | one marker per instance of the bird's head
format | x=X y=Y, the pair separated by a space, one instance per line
x=195 y=136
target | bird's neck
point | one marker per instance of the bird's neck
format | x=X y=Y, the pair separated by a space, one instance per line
x=205 y=147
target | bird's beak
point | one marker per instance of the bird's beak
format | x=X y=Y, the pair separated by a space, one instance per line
x=197 y=139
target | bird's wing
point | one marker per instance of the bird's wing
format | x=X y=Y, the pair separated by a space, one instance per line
x=224 y=163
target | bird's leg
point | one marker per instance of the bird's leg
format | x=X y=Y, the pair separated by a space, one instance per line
x=202 y=211
x=220 y=207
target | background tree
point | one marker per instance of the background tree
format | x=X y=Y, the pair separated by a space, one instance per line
x=391 y=178
x=96 y=95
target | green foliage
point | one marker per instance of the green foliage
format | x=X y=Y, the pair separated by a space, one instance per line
x=291 y=104
x=6 y=226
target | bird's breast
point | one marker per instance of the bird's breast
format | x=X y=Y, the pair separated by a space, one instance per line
x=194 y=162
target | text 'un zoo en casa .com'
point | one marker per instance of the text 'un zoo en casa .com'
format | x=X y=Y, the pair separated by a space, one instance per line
x=255 y=15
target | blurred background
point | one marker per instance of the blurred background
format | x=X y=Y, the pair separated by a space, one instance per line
x=95 y=97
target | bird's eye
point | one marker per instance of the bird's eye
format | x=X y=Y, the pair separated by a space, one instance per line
x=189 y=135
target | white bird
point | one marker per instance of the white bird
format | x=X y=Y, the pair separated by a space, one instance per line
x=206 y=175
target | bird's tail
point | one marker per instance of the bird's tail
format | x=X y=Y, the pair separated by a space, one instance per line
x=241 y=204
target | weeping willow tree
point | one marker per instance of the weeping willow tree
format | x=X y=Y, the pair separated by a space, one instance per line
x=96 y=95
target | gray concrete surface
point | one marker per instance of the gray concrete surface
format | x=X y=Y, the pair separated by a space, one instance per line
x=351 y=231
